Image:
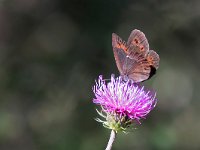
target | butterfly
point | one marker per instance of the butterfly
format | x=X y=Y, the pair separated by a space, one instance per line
x=133 y=58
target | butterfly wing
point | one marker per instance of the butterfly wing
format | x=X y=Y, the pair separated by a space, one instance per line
x=153 y=59
x=119 y=50
x=138 y=40
x=118 y=43
x=141 y=69
x=138 y=71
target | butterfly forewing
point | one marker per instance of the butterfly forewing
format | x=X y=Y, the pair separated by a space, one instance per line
x=118 y=43
x=120 y=58
x=119 y=53
x=138 y=39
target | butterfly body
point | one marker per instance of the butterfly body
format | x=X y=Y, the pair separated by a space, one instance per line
x=133 y=58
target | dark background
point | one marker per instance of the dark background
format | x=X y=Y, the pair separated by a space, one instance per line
x=52 y=51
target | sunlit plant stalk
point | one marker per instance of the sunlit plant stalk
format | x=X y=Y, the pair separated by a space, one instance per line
x=111 y=140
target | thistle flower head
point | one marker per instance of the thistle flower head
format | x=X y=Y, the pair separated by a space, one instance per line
x=123 y=102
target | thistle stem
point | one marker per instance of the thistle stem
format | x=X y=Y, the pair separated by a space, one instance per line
x=111 y=140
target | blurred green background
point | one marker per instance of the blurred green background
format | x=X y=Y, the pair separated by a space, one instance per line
x=52 y=51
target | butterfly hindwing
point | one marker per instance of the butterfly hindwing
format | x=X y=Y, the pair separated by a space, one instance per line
x=153 y=59
x=138 y=71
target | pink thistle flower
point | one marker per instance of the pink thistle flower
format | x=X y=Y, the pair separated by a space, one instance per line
x=122 y=101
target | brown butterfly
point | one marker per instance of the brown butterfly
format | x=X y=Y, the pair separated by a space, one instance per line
x=134 y=59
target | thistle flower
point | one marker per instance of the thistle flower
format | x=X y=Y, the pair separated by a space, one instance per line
x=122 y=102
